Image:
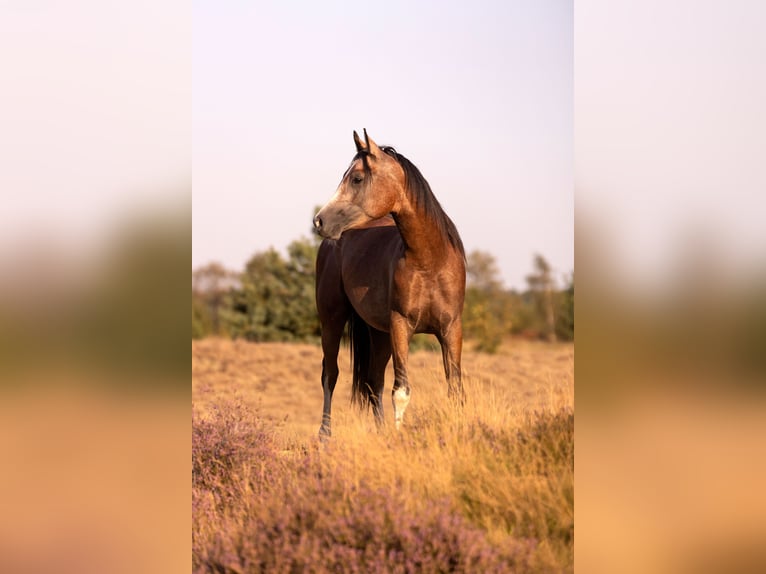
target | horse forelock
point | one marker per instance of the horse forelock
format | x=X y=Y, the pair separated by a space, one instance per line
x=363 y=155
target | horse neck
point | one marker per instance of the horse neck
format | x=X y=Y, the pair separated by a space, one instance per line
x=423 y=240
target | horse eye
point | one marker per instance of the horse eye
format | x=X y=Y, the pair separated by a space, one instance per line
x=357 y=179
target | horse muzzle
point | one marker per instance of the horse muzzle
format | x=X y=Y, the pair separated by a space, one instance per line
x=333 y=220
x=326 y=231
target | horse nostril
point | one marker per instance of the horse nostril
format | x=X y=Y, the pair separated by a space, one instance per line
x=317 y=222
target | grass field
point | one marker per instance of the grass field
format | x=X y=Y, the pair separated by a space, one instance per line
x=489 y=487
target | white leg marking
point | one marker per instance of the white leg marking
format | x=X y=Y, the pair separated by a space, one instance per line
x=401 y=399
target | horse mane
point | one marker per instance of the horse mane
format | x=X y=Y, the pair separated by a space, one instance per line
x=425 y=201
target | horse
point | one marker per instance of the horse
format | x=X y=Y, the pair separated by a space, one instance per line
x=391 y=264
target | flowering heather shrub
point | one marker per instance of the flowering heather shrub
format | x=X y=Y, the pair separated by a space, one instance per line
x=326 y=526
x=231 y=442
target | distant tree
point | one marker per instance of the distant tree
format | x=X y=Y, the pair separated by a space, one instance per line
x=201 y=323
x=486 y=316
x=565 y=311
x=482 y=272
x=211 y=284
x=525 y=318
x=275 y=301
x=542 y=285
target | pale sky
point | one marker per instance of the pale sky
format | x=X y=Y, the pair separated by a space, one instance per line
x=478 y=95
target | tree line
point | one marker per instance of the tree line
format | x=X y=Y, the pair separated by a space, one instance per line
x=272 y=299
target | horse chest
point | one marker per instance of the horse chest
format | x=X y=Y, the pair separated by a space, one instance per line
x=416 y=297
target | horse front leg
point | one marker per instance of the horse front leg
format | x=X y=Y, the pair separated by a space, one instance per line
x=401 y=333
x=331 y=336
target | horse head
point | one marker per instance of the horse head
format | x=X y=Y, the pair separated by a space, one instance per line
x=371 y=188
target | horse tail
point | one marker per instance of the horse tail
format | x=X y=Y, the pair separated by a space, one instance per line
x=361 y=355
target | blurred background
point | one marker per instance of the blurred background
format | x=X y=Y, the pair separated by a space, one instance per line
x=95 y=229
x=96 y=182
x=670 y=252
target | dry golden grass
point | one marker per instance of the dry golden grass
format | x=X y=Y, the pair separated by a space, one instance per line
x=283 y=380
x=504 y=463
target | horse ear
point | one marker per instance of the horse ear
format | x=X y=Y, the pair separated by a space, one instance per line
x=358 y=142
x=372 y=147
